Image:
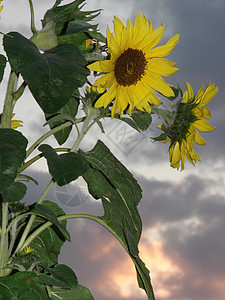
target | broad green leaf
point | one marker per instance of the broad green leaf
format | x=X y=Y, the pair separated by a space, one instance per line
x=129 y=121
x=22 y=286
x=66 y=167
x=2 y=66
x=50 y=216
x=12 y=154
x=48 y=243
x=120 y=193
x=61 y=276
x=15 y=192
x=142 y=119
x=80 y=292
x=53 y=76
x=67 y=112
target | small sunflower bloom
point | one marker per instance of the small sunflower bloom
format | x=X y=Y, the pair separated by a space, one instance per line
x=135 y=67
x=191 y=116
x=27 y=250
x=1 y=6
x=16 y=123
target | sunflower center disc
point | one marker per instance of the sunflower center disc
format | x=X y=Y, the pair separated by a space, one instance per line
x=130 y=67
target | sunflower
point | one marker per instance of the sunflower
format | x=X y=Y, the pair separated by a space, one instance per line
x=135 y=67
x=1 y=6
x=190 y=115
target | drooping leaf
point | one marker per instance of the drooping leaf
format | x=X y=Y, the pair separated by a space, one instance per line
x=66 y=113
x=80 y=292
x=51 y=216
x=15 y=192
x=27 y=178
x=66 y=167
x=129 y=121
x=52 y=77
x=61 y=276
x=142 y=119
x=120 y=193
x=48 y=243
x=2 y=66
x=21 y=286
x=12 y=153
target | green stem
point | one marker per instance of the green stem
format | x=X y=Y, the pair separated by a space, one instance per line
x=61 y=218
x=46 y=135
x=35 y=158
x=85 y=129
x=4 y=240
x=32 y=25
x=9 y=101
x=32 y=218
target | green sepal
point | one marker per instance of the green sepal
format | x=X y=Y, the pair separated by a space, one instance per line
x=45 y=212
x=12 y=154
x=160 y=138
x=66 y=167
x=2 y=66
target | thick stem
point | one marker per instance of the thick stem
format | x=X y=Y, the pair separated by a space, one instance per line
x=4 y=240
x=9 y=101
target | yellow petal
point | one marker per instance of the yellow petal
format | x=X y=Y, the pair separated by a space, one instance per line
x=198 y=139
x=165 y=49
x=104 y=66
x=203 y=126
x=159 y=84
x=106 y=98
x=105 y=80
x=162 y=66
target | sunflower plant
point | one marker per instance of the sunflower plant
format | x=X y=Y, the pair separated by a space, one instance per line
x=128 y=67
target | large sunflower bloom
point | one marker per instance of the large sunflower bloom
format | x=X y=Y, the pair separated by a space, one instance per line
x=191 y=115
x=135 y=67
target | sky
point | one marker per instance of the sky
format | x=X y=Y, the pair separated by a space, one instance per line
x=182 y=242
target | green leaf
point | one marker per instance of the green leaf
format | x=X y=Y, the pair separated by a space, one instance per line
x=120 y=193
x=15 y=192
x=61 y=276
x=12 y=154
x=48 y=243
x=142 y=119
x=80 y=292
x=27 y=178
x=53 y=76
x=66 y=167
x=22 y=286
x=66 y=113
x=2 y=66
x=129 y=121
x=50 y=216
